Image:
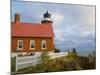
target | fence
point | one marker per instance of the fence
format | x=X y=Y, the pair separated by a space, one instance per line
x=58 y=55
x=28 y=61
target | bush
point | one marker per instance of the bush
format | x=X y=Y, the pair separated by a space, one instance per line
x=92 y=59
x=67 y=63
x=73 y=54
x=13 y=64
x=44 y=57
x=83 y=62
x=56 y=50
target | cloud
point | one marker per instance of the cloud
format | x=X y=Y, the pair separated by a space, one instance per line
x=57 y=18
x=57 y=22
x=87 y=19
x=59 y=35
x=74 y=25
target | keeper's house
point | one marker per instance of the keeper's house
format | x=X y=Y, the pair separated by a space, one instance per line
x=32 y=37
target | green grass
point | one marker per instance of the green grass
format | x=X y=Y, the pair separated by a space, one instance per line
x=71 y=62
x=53 y=65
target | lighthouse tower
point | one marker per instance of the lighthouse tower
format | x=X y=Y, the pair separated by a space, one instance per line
x=46 y=18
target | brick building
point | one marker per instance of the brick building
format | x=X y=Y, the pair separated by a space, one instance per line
x=32 y=37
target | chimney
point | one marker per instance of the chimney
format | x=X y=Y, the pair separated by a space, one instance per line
x=17 y=18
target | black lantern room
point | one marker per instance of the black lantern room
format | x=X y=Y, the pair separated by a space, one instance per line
x=46 y=18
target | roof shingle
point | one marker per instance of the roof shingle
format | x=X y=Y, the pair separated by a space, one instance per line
x=22 y=29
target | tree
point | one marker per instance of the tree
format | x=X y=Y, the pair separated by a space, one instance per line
x=44 y=57
x=74 y=51
x=92 y=59
x=56 y=50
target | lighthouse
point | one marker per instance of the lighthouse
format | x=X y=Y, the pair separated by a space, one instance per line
x=46 y=18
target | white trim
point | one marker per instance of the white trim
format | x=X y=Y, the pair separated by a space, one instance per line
x=43 y=41
x=47 y=19
x=18 y=45
x=32 y=41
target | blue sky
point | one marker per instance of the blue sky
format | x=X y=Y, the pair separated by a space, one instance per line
x=74 y=25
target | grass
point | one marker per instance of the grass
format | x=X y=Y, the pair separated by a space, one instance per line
x=53 y=65
x=71 y=62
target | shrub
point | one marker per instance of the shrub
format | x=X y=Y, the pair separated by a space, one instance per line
x=20 y=55
x=72 y=54
x=92 y=59
x=44 y=57
x=13 y=64
x=56 y=50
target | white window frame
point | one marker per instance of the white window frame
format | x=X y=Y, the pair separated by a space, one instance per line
x=32 y=41
x=43 y=41
x=18 y=45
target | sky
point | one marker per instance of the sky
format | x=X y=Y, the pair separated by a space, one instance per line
x=73 y=25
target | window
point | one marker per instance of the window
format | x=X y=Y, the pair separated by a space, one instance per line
x=43 y=45
x=20 y=45
x=32 y=44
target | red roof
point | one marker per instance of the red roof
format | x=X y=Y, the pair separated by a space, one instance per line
x=31 y=30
